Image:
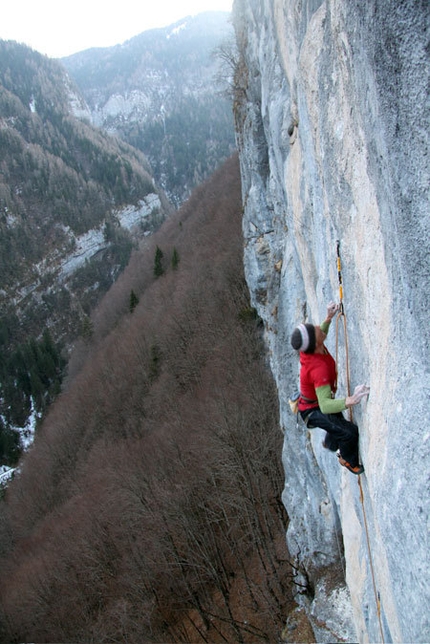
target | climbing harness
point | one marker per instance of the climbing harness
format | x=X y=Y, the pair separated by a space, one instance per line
x=342 y=315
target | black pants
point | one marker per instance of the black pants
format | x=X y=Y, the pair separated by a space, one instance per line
x=342 y=434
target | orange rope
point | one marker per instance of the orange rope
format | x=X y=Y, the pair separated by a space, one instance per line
x=348 y=388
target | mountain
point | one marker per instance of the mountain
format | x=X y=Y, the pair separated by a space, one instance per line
x=75 y=198
x=160 y=92
x=74 y=201
x=148 y=509
x=331 y=108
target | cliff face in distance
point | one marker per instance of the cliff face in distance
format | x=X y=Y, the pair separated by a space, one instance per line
x=161 y=91
x=332 y=130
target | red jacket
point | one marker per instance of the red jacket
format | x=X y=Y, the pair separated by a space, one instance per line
x=316 y=370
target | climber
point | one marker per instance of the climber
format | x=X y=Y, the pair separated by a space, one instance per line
x=317 y=405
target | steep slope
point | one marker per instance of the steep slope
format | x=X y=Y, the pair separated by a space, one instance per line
x=159 y=92
x=73 y=201
x=331 y=109
x=150 y=502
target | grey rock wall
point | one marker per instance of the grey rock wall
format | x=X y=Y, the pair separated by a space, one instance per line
x=331 y=110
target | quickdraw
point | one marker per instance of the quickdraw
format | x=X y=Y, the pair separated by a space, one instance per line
x=342 y=315
x=339 y=275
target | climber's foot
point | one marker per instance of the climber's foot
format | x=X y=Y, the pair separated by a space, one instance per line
x=355 y=469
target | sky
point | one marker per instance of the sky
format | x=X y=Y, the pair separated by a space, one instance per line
x=59 y=28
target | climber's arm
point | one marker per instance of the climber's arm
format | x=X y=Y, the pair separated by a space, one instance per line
x=332 y=309
x=327 y=404
x=324 y=326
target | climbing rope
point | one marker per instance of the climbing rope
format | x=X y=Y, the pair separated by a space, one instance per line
x=375 y=590
x=342 y=315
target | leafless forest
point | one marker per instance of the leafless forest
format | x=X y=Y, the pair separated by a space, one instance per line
x=149 y=508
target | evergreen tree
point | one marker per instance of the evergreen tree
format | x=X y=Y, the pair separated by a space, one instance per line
x=87 y=328
x=37 y=390
x=158 y=265
x=10 y=447
x=49 y=347
x=175 y=259
x=134 y=301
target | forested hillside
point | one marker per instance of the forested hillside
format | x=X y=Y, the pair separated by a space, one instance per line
x=63 y=187
x=149 y=509
x=57 y=172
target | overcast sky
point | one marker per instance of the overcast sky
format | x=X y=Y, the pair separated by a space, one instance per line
x=58 y=28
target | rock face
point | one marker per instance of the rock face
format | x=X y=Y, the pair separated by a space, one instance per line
x=332 y=127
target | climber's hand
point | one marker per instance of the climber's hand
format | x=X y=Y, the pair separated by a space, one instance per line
x=360 y=392
x=332 y=308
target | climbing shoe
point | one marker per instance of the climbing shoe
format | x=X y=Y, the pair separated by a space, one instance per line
x=355 y=469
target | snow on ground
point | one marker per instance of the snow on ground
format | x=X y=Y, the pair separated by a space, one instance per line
x=131 y=216
x=87 y=245
x=6 y=473
x=26 y=438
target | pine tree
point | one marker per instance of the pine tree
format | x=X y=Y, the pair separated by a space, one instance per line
x=10 y=447
x=134 y=301
x=87 y=328
x=175 y=259
x=158 y=266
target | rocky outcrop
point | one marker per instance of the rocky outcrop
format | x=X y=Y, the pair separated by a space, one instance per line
x=332 y=130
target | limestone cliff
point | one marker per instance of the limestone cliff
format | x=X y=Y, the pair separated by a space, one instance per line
x=331 y=108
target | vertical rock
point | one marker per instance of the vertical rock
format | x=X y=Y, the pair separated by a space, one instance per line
x=332 y=128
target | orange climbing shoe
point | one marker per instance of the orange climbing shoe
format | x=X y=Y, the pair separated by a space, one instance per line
x=355 y=469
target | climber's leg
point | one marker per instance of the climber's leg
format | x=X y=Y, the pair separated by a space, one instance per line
x=339 y=429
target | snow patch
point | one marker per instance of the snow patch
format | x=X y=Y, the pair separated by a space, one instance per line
x=11 y=220
x=87 y=245
x=132 y=216
x=6 y=473
x=177 y=30
x=26 y=435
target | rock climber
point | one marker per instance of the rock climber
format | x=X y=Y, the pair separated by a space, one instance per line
x=317 y=405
